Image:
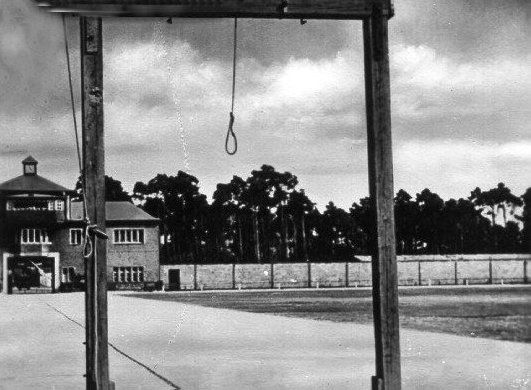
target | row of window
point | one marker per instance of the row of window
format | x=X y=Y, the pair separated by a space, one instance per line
x=34 y=236
x=120 y=236
x=128 y=236
x=128 y=274
x=51 y=205
x=119 y=274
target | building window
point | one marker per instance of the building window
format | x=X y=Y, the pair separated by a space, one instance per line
x=128 y=274
x=56 y=205
x=68 y=274
x=76 y=236
x=34 y=236
x=59 y=205
x=128 y=236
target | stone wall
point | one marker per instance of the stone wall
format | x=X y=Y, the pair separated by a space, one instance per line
x=291 y=275
x=253 y=276
x=329 y=274
x=437 y=272
x=214 y=276
x=509 y=271
x=359 y=274
x=412 y=271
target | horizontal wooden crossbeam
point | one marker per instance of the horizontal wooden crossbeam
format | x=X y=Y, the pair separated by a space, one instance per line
x=280 y=9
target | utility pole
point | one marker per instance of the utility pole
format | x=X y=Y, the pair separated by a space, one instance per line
x=97 y=360
x=384 y=267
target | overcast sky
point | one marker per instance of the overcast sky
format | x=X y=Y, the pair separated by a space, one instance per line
x=460 y=81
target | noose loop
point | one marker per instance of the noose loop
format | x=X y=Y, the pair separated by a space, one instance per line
x=88 y=246
x=230 y=133
x=230 y=130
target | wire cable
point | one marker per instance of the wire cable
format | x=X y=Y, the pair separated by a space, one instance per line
x=87 y=246
x=121 y=352
x=73 y=104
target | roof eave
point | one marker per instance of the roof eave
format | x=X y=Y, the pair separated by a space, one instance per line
x=40 y=192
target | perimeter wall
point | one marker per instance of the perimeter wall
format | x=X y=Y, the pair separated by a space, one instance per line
x=412 y=271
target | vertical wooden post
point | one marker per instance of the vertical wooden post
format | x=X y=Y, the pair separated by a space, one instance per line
x=455 y=273
x=384 y=266
x=93 y=168
x=420 y=274
x=525 y=272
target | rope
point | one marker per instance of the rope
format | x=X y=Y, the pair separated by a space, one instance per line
x=230 y=131
x=87 y=246
x=73 y=104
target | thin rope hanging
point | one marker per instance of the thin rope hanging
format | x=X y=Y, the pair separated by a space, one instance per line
x=230 y=130
x=88 y=246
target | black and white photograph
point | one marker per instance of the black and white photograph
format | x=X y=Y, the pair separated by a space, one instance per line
x=265 y=194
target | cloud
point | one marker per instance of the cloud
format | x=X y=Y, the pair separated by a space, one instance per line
x=31 y=75
x=461 y=84
x=427 y=84
x=453 y=168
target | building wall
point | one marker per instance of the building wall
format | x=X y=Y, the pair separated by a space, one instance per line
x=118 y=255
x=135 y=255
x=70 y=255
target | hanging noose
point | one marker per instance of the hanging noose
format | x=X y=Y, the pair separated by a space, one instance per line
x=230 y=131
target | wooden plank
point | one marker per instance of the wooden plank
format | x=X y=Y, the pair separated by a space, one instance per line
x=384 y=265
x=288 y=9
x=94 y=183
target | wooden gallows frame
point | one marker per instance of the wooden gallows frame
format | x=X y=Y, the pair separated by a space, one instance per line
x=374 y=15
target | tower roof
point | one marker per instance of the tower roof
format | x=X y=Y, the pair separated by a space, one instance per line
x=30 y=160
x=32 y=184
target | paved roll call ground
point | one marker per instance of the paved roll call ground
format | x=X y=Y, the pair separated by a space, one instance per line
x=194 y=347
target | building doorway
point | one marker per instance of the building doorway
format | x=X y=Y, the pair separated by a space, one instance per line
x=31 y=274
x=174 y=279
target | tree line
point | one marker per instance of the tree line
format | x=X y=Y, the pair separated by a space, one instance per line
x=266 y=218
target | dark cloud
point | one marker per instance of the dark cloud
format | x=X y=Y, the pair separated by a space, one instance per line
x=464 y=29
x=268 y=41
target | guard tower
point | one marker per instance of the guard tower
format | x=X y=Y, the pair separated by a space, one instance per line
x=32 y=209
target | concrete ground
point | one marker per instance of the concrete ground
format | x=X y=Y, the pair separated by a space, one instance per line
x=195 y=347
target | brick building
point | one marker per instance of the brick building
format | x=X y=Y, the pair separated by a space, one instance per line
x=41 y=237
